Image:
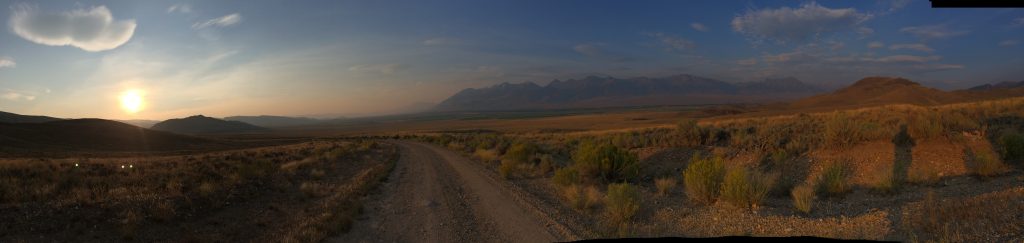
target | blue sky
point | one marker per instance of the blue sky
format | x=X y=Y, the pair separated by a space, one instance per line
x=222 y=58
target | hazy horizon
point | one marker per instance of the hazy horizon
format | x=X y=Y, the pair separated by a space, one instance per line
x=157 y=60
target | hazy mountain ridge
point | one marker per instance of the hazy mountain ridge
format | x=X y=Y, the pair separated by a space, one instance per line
x=274 y=121
x=897 y=90
x=200 y=124
x=596 y=91
x=18 y=118
x=94 y=134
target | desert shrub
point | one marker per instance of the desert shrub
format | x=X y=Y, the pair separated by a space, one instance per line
x=803 y=197
x=703 y=178
x=745 y=188
x=665 y=185
x=207 y=188
x=604 y=162
x=690 y=134
x=986 y=164
x=521 y=152
x=1012 y=147
x=547 y=163
x=833 y=180
x=486 y=155
x=566 y=176
x=840 y=131
x=507 y=168
x=163 y=210
x=622 y=202
x=581 y=198
x=924 y=126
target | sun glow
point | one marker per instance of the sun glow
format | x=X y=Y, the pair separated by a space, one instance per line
x=132 y=101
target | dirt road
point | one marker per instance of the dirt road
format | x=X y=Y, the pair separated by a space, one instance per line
x=435 y=195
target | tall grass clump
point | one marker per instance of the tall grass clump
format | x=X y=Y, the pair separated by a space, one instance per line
x=833 y=180
x=622 y=202
x=690 y=133
x=745 y=188
x=703 y=178
x=604 y=163
x=987 y=165
x=582 y=198
x=665 y=186
x=803 y=197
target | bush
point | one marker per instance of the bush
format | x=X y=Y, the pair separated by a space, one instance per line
x=622 y=202
x=581 y=198
x=703 y=178
x=833 y=180
x=744 y=188
x=665 y=185
x=985 y=164
x=566 y=176
x=507 y=168
x=520 y=152
x=803 y=198
x=690 y=133
x=604 y=162
x=1013 y=147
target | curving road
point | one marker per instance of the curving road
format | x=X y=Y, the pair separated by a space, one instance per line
x=435 y=195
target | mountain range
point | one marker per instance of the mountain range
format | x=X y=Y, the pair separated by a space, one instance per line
x=200 y=124
x=593 y=91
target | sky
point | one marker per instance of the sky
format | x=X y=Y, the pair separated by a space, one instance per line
x=168 y=59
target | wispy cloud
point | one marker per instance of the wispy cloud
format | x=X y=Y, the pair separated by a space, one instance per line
x=916 y=47
x=223 y=21
x=672 y=43
x=933 y=32
x=7 y=62
x=1009 y=43
x=12 y=95
x=93 y=29
x=180 y=8
x=807 y=22
x=699 y=27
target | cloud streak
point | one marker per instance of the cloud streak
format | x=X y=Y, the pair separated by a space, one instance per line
x=7 y=62
x=809 y=21
x=673 y=43
x=699 y=27
x=933 y=32
x=93 y=29
x=223 y=21
x=916 y=47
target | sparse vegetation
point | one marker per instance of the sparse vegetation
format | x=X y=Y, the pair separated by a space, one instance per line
x=703 y=178
x=622 y=202
x=833 y=179
x=745 y=188
x=987 y=165
x=1013 y=147
x=665 y=185
x=803 y=197
x=604 y=163
x=583 y=198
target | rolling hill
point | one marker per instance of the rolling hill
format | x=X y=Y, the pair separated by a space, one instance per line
x=200 y=124
x=273 y=121
x=17 y=118
x=95 y=135
x=873 y=91
x=594 y=92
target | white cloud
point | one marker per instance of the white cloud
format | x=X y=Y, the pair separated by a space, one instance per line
x=1001 y=43
x=223 y=21
x=800 y=24
x=916 y=47
x=673 y=43
x=441 y=41
x=699 y=27
x=180 y=8
x=1018 y=22
x=898 y=4
x=588 y=49
x=389 y=68
x=875 y=45
x=904 y=58
x=932 y=32
x=12 y=95
x=89 y=29
x=7 y=62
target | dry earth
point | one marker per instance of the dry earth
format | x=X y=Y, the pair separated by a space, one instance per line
x=435 y=195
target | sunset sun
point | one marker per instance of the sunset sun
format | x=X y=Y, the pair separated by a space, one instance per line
x=132 y=101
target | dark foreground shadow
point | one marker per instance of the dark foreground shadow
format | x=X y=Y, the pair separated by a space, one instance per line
x=730 y=239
